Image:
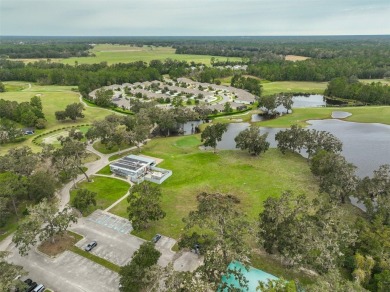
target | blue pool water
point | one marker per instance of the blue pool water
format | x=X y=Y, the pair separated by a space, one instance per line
x=252 y=275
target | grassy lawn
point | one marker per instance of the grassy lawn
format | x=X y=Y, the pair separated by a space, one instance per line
x=105 y=170
x=267 y=263
x=108 y=190
x=113 y=54
x=54 y=98
x=52 y=136
x=98 y=146
x=12 y=221
x=235 y=172
x=10 y=227
x=366 y=114
x=293 y=86
x=91 y=157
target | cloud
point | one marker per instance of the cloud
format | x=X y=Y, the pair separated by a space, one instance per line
x=201 y=17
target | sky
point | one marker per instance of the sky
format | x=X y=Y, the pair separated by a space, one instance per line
x=193 y=18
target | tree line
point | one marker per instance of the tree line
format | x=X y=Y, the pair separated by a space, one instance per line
x=43 y=50
x=351 y=88
x=363 y=250
x=29 y=114
x=320 y=69
x=12 y=113
x=90 y=77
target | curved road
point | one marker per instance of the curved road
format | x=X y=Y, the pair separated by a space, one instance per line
x=93 y=167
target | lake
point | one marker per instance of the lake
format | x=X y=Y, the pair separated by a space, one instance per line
x=365 y=145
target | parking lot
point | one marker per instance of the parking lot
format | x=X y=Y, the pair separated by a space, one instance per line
x=113 y=245
x=71 y=272
x=67 y=272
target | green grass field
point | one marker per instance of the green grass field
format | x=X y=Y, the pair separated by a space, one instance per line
x=234 y=172
x=54 y=98
x=108 y=190
x=364 y=114
x=384 y=81
x=114 y=54
x=293 y=86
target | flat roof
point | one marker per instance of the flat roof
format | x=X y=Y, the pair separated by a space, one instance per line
x=132 y=162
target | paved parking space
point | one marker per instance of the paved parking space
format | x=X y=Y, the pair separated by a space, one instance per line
x=112 y=221
x=67 y=272
x=187 y=262
x=112 y=245
x=164 y=245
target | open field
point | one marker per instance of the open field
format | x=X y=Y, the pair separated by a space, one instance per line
x=296 y=58
x=113 y=54
x=293 y=86
x=234 y=172
x=108 y=190
x=364 y=114
x=384 y=81
x=54 y=98
x=270 y=88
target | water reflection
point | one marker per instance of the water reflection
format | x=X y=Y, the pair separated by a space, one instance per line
x=189 y=128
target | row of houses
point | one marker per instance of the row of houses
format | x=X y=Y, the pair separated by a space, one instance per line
x=238 y=98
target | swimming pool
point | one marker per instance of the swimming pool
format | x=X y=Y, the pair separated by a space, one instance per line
x=252 y=275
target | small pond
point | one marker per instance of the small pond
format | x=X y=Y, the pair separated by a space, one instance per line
x=301 y=101
x=313 y=100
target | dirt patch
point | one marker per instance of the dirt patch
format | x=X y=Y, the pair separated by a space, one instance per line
x=61 y=244
x=296 y=58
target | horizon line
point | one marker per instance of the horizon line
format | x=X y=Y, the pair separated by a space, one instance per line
x=293 y=35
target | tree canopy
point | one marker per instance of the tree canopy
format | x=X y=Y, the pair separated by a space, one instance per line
x=250 y=139
x=213 y=134
x=144 y=204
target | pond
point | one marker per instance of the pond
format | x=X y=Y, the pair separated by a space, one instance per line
x=365 y=145
x=313 y=100
x=299 y=101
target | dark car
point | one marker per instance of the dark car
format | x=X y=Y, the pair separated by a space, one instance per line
x=156 y=238
x=32 y=286
x=28 y=282
x=90 y=246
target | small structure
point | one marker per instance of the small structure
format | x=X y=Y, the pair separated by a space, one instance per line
x=139 y=168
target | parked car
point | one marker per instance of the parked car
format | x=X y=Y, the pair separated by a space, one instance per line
x=156 y=238
x=28 y=281
x=32 y=287
x=90 y=246
x=39 y=288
